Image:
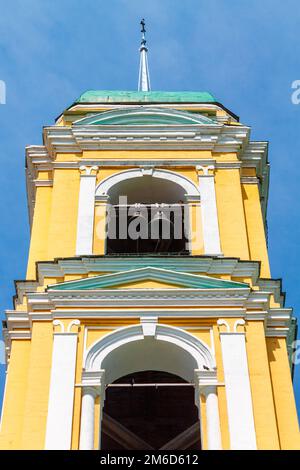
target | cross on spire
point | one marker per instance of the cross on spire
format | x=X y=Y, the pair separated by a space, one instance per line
x=144 y=76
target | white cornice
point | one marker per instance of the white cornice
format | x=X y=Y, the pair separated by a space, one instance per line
x=277 y=321
x=217 y=138
x=188 y=264
x=139 y=297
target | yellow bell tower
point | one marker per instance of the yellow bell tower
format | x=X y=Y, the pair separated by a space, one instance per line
x=148 y=318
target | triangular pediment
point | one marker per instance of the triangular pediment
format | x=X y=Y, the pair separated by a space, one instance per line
x=149 y=277
x=145 y=116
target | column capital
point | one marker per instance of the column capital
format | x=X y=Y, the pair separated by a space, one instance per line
x=93 y=378
x=88 y=170
x=203 y=170
x=102 y=199
x=193 y=199
x=222 y=324
x=61 y=329
x=206 y=378
x=90 y=390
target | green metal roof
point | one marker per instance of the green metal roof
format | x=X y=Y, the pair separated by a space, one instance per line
x=116 y=96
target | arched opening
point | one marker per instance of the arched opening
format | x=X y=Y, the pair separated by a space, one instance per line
x=156 y=356
x=147 y=215
x=150 y=410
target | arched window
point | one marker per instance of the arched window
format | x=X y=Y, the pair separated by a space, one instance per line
x=147 y=212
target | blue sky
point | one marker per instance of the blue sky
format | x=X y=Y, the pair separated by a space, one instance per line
x=245 y=53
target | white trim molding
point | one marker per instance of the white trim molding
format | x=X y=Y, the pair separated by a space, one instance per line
x=98 y=351
x=188 y=185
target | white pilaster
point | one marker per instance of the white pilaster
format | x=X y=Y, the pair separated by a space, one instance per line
x=86 y=208
x=61 y=395
x=211 y=235
x=206 y=384
x=238 y=391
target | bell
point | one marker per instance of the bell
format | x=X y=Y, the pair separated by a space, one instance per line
x=160 y=216
x=136 y=213
x=160 y=226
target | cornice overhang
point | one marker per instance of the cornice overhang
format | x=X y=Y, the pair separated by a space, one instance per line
x=216 y=138
x=200 y=265
x=75 y=139
x=177 y=279
x=187 y=264
x=184 y=303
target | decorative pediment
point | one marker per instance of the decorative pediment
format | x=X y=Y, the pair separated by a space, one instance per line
x=160 y=276
x=145 y=116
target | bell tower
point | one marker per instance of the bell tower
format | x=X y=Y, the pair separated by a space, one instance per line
x=148 y=318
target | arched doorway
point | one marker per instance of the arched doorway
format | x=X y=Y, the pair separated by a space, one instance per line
x=150 y=410
x=153 y=348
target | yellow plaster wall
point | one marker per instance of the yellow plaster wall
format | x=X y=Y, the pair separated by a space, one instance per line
x=261 y=387
x=40 y=229
x=283 y=394
x=15 y=394
x=36 y=403
x=232 y=224
x=221 y=390
x=63 y=221
x=147 y=285
x=146 y=155
x=255 y=228
x=77 y=391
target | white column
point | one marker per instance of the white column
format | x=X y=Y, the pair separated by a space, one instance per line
x=87 y=426
x=212 y=418
x=206 y=384
x=86 y=208
x=61 y=395
x=238 y=391
x=92 y=386
x=211 y=235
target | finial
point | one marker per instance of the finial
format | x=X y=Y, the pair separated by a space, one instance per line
x=144 y=77
x=143 y=31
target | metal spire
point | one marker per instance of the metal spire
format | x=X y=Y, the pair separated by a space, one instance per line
x=144 y=77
